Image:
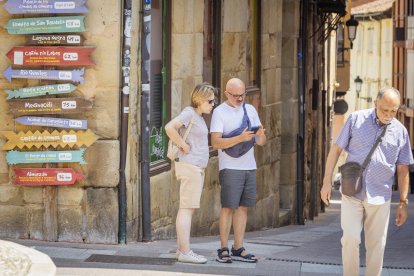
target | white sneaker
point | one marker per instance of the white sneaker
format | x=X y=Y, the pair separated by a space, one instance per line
x=191 y=257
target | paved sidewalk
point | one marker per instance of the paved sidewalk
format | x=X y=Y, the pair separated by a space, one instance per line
x=309 y=250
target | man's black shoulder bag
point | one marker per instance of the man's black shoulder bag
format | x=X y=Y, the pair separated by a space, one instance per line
x=351 y=172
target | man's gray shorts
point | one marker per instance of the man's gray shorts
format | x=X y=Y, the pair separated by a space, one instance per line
x=238 y=188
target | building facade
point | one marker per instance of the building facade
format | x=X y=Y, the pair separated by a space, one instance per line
x=147 y=56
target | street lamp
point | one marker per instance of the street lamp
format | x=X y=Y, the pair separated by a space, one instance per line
x=352 y=25
x=358 y=84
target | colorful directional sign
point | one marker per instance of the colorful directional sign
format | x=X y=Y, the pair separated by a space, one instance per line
x=46 y=25
x=49 y=106
x=63 y=75
x=55 y=39
x=46 y=176
x=45 y=6
x=29 y=92
x=28 y=157
x=46 y=139
x=52 y=122
x=51 y=56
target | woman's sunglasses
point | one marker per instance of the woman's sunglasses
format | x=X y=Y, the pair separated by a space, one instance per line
x=213 y=101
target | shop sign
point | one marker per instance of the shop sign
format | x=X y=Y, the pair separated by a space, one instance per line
x=50 y=56
x=55 y=39
x=46 y=176
x=52 y=122
x=47 y=139
x=45 y=6
x=46 y=25
x=49 y=106
x=28 y=157
x=36 y=91
x=58 y=75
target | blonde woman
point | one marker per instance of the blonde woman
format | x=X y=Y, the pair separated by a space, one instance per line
x=190 y=164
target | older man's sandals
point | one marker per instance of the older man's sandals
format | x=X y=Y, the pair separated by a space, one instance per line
x=223 y=255
x=237 y=255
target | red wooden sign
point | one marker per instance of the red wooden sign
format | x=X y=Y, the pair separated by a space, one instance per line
x=46 y=176
x=51 y=56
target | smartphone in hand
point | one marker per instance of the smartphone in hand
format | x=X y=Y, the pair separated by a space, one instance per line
x=255 y=129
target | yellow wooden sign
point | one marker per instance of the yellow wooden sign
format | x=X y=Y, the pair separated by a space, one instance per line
x=46 y=139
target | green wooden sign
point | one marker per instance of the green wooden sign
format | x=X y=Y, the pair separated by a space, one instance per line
x=29 y=92
x=28 y=157
x=42 y=25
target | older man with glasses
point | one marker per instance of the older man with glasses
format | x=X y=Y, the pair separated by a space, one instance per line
x=235 y=128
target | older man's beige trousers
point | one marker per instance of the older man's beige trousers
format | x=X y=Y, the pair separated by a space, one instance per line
x=355 y=215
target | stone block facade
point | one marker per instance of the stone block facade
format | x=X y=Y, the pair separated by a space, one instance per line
x=88 y=211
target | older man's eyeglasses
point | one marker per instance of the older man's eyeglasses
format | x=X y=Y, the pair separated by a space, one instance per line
x=241 y=96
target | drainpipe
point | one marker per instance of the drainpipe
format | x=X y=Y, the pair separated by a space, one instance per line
x=145 y=121
x=300 y=157
x=126 y=61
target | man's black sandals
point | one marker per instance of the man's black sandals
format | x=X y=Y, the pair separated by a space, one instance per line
x=223 y=255
x=237 y=256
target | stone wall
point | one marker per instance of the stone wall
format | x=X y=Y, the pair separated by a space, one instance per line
x=277 y=102
x=88 y=210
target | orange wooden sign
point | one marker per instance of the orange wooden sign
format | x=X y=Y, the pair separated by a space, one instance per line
x=46 y=139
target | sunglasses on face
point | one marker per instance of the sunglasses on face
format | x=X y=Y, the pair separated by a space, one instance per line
x=213 y=101
x=241 y=96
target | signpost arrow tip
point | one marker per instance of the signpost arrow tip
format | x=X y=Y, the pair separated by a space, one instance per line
x=8 y=73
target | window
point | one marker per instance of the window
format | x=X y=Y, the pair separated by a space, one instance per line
x=340 y=46
x=212 y=42
x=253 y=54
x=211 y=48
x=159 y=82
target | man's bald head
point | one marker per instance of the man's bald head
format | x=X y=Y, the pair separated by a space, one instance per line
x=234 y=83
x=388 y=93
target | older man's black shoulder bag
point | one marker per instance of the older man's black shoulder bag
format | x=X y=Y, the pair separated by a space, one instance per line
x=351 y=172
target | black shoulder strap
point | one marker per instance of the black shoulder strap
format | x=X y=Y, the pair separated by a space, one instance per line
x=379 y=139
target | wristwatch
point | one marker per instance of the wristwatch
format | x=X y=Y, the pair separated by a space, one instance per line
x=404 y=201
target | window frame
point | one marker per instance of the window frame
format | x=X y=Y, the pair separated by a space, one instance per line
x=163 y=165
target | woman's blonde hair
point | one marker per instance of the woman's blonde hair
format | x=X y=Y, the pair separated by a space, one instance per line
x=202 y=92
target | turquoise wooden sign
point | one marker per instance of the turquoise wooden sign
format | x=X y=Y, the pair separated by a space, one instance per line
x=27 y=157
x=46 y=25
x=29 y=92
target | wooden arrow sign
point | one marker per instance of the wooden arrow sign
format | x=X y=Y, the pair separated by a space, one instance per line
x=49 y=106
x=36 y=91
x=46 y=25
x=52 y=122
x=54 y=39
x=50 y=56
x=45 y=6
x=69 y=156
x=46 y=139
x=58 y=75
x=46 y=176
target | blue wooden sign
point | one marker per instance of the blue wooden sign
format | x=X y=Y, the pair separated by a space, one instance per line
x=46 y=25
x=52 y=122
x=45 y=6
x=58 y=75
x=28 y=157
x=29 y=92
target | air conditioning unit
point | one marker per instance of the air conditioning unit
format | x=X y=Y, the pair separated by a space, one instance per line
x=331 y=6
